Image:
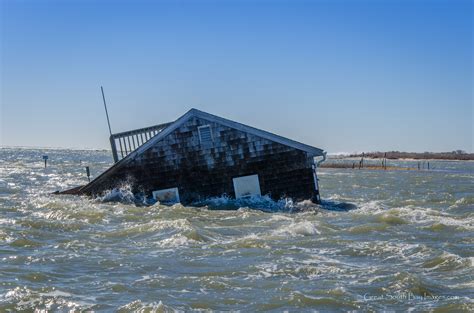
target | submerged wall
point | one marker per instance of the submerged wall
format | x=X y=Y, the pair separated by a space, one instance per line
x=200 y=169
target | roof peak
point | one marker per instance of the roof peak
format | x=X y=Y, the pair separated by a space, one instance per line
x=250 y=129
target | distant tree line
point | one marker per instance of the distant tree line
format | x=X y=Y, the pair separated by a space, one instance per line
x=393 y=155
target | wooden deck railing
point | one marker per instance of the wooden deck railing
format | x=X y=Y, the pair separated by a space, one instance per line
x=124 y=143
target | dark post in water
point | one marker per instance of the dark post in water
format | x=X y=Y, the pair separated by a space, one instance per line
x=45 y=158
x=88 y=173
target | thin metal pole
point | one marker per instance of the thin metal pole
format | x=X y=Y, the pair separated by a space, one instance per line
x=106 y=113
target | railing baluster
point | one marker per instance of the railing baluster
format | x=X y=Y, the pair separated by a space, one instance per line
x=124 y=145
x=129 y=144
x=133 y=140
x=121 y=148
x=127 y=150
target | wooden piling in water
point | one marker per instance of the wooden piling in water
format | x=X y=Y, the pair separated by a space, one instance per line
x=45 y=158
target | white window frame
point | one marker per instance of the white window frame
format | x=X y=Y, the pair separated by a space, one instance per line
x=242 y=183
x=157 y=193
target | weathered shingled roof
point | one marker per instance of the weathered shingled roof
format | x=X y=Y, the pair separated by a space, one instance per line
x=209 y=117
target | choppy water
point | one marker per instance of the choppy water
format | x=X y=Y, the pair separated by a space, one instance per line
x=408 y=244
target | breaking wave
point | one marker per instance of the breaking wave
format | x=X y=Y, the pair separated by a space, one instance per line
x=265 y=203
x=124 y=194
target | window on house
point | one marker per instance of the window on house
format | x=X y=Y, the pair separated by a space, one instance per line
x=246 y=186
x=170 y=195
x=205 y=135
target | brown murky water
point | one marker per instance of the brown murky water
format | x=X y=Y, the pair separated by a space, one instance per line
x=407 y=244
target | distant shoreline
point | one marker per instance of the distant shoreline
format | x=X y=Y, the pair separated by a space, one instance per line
x=366 y=167
x=412 y=156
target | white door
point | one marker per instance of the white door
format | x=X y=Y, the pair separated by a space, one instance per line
x=246 y=186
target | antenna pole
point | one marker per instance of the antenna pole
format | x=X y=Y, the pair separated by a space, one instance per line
x=106 y=113
x=111 y=138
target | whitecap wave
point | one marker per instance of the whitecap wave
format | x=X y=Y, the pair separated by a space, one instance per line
x=262 y=203
x=304 y=228
x=121 y=194
x=138 y=306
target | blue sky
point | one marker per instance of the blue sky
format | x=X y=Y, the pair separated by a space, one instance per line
x=344 y=76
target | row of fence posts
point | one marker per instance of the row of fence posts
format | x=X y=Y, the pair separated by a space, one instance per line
x=384 y=161
x=361 y=162
x=421 y=165
x=88 y=171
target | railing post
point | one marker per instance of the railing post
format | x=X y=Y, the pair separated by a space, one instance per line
x=114 y=148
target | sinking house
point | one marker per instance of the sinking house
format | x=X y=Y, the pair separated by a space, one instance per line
x=201 y=155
